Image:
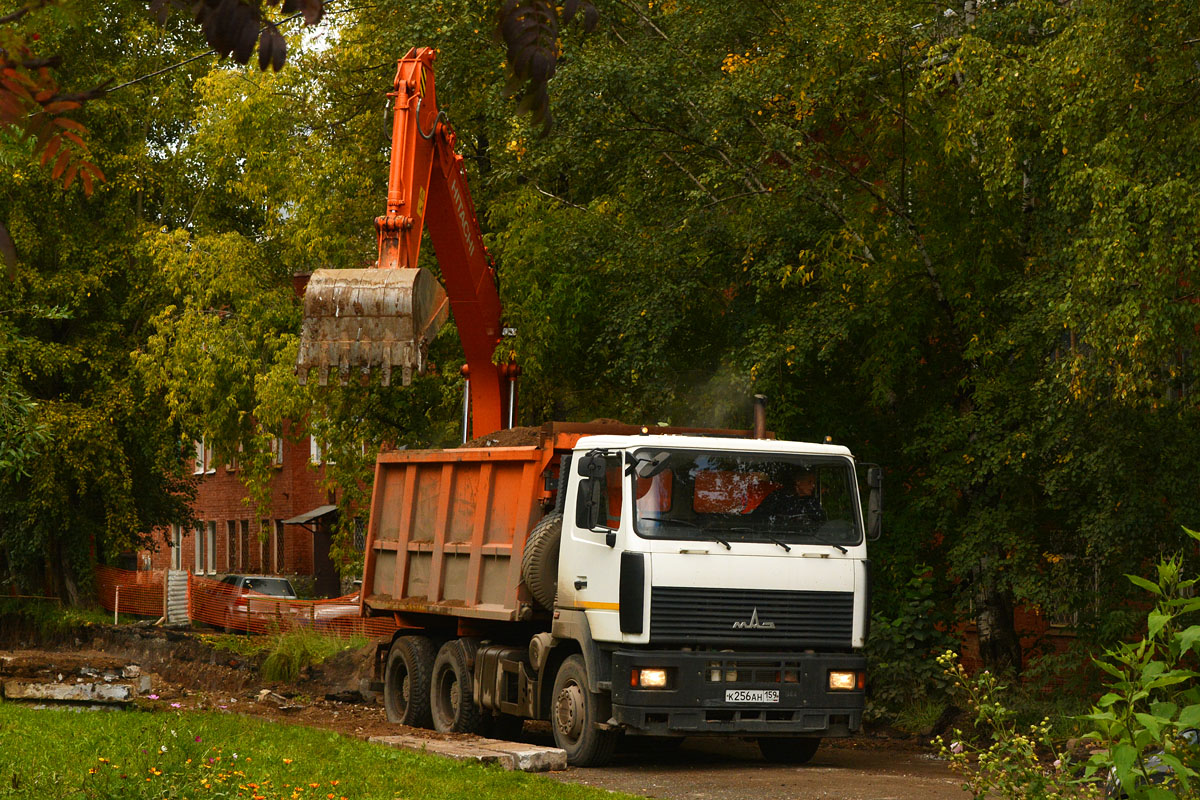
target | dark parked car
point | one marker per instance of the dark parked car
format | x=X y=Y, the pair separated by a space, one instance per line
x=258 y=602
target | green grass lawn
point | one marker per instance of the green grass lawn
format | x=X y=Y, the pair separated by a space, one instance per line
x=56 y=753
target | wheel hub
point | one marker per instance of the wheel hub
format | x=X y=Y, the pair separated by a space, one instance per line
x=569 y=711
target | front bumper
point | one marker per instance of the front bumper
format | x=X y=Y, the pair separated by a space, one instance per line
x=695 y=702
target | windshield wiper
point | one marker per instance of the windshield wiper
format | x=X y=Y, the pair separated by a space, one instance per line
x=786 y=549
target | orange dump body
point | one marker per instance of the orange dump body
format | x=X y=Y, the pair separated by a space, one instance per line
x=448 y=527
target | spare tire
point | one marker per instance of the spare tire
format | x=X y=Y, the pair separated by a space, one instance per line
x=539 y=563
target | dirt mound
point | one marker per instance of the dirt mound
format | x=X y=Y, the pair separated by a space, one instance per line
x=510 y=437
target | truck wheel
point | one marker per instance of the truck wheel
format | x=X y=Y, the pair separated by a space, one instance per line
x=789 y=751
x=539 y=562
x=452 y=692
x=406 y=681
x=574 y=718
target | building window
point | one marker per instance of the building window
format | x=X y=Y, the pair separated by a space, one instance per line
x=233 y=464
x=360 y=534
x=212 y=547
x=243 y=551
x=264 y=545
x=203 y=463
x=315 y=456
x=277 y=451
x=198 y=543
x=280 y=560
x=231 y=548
x=176 y=547
x=244 y=529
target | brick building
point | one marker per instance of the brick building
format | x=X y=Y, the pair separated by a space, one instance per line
x=229 y=538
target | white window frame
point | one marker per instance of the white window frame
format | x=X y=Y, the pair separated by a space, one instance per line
x=277 y=451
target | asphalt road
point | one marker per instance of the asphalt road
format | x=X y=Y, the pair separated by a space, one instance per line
x=711 y=769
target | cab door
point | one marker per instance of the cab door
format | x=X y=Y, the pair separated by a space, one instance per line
x=589 y=566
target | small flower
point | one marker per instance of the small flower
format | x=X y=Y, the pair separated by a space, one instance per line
x=1058 y=763
x=152 y=696
x=287 y=761
x=176 y=705
x=235 y=756
x=956 y=747
x=162 y=749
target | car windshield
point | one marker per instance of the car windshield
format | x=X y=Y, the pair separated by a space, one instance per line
x=276 y=587
x=754 y=497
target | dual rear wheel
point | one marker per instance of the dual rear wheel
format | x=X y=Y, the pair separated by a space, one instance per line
x=426 y=686
x=433 y=687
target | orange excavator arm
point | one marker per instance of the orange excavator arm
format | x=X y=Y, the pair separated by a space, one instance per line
x=385 y=317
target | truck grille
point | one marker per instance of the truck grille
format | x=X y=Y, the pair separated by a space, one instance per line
x=745 y=616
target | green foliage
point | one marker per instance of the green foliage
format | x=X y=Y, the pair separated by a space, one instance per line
x=1153 y=695
x=49 y=619
x=62 y=754
x=1137 y=726
x=906 y=638
x=1015 y=761
x=964 y=244
x=288 y=654
x=107 y=468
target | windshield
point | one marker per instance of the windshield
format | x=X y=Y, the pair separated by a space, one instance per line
x=748 y=497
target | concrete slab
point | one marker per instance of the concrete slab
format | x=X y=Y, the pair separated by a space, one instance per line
x=18 y=689
x=509 y=755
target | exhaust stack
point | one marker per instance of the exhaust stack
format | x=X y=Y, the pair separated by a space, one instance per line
x=760 y=416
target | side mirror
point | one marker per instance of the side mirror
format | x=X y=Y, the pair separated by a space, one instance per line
x=587 y=507
x=592 y=465
x=875 y=503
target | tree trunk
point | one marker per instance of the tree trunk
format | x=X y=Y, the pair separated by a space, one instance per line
x=999 y=645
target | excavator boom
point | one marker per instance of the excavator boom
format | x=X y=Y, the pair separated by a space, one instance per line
x=384 y=318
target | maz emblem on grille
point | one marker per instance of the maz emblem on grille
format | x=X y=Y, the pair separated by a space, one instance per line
x=753 y=624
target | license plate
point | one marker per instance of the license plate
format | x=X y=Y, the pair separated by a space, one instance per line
x=751 y=695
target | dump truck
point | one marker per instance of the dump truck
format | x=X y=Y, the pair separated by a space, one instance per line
x=608 y=578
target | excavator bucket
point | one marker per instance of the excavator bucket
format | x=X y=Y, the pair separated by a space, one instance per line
x=369 y=319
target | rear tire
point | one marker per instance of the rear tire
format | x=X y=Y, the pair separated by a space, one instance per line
x=789 y=751
x=452 y=691
x=574 y=717
x=539 y=562
x=406 y=681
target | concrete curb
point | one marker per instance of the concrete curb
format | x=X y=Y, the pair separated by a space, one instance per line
x=509 y=755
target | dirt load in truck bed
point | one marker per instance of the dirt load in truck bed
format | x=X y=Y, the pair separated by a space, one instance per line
x=522 y=437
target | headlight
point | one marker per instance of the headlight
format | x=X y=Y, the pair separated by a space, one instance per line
x=845 y=681
x=649 y=678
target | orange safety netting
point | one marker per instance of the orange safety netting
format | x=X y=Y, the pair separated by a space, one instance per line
x=131 y=592
x=223 y=606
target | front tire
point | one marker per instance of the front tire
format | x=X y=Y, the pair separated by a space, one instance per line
x=452 y=691
x=574 y=718
x=406 y=681
x=789 y=751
